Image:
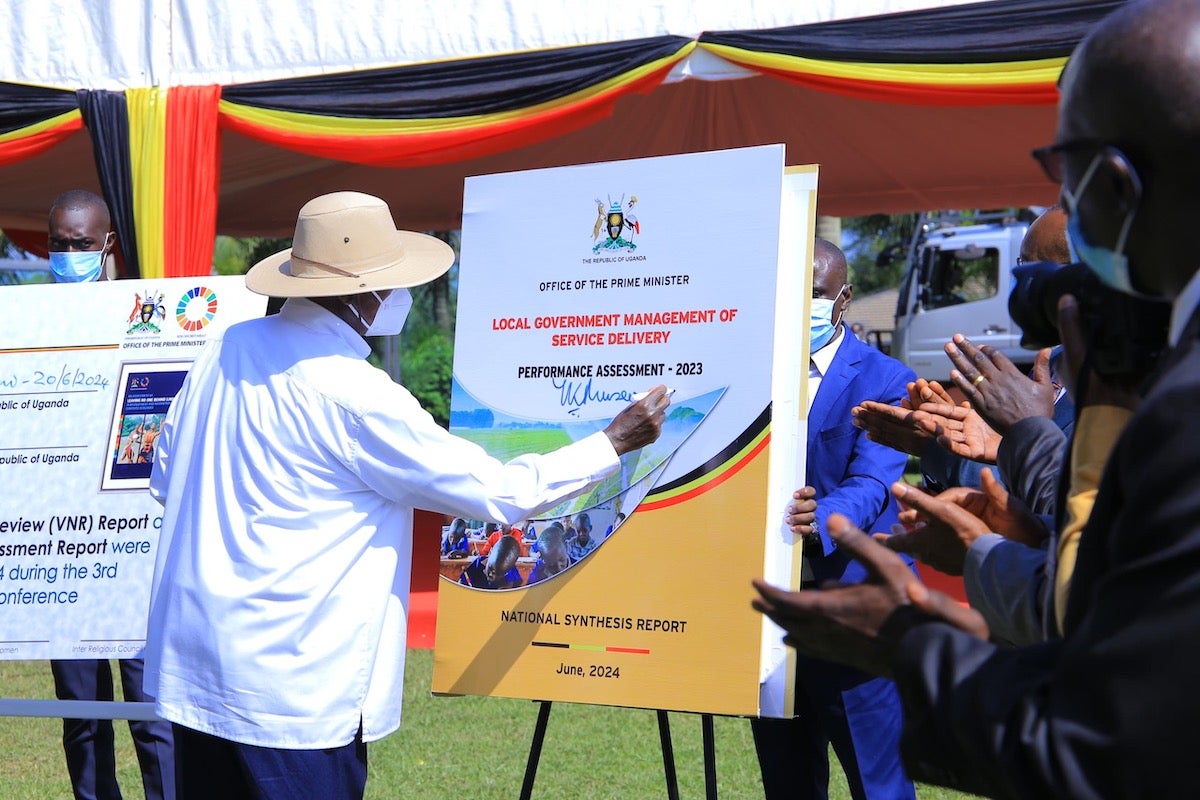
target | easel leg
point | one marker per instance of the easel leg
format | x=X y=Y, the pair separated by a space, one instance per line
x=710 y=757
x=668 y=753
x=535 y=750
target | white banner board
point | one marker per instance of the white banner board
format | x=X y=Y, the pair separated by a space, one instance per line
x=580 y=287
x=87 y=372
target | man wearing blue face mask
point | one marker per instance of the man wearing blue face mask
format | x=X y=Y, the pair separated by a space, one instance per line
x=848 y=474
x=80 y=240
x=81 y=237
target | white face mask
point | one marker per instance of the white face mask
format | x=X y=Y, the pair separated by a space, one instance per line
x=389 y=318
x=78 y=266
x=821 y=325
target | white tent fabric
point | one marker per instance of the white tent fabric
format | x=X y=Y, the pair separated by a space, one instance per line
x=878 y=152
x=120 y=44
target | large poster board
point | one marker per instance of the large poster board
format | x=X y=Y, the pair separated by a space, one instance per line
x=578 y=288
x=87 y=372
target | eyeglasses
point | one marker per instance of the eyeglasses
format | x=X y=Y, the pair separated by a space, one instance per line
x=1051 y=158
x=1052 y=162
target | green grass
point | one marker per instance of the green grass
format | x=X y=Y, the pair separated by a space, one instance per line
x=508 y=443
x=912 y=472
x=454 y=748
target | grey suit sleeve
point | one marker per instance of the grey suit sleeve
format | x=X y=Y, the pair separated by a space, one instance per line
x=1006 y=582
x=1030 y=459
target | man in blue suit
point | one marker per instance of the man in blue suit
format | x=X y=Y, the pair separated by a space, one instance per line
x=851 y=475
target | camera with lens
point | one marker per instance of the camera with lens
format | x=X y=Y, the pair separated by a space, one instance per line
x=1124 y=334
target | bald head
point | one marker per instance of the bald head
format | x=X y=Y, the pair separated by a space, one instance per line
x=1046 y=239
x=829 y=279
x=502 y=558
x=828 y=262
x=1139 y=64
x=553 y=549
x=1130 y=116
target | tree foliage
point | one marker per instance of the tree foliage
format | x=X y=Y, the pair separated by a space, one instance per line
x=864 y=238
x=18 y=277
x=425 y=368
x=233 y=256
x=427 y=343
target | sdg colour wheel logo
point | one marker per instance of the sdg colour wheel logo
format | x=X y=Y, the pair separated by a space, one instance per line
x=196 y=308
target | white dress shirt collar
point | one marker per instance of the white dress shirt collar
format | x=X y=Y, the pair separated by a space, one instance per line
x=823 y=358
x=1182 y=308
x=305 y=312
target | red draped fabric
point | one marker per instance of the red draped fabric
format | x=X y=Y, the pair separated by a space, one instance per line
x=29 y=142
x=191 y=180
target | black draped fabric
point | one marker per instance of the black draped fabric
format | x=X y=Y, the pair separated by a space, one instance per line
x=107 y=119
x=1002 y=30
x=469 y=87
x=22 y=106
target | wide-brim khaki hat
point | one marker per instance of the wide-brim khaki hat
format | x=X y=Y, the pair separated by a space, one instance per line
x=347 y=243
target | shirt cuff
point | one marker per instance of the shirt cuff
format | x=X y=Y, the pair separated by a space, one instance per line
x=977 y=554
x=597 y=451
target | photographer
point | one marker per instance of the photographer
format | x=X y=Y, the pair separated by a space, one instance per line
x=1010 y=576
x=1028 y=417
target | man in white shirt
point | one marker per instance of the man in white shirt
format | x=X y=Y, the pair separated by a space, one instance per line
x=289 y=468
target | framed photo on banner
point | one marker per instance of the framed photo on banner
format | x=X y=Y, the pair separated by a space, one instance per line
x=580 y=287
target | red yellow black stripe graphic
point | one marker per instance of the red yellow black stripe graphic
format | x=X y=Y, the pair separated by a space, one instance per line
x=724 y=465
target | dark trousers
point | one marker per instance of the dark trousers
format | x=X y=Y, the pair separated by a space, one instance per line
x=858 y=714
x=88 y=743
x=209 y=767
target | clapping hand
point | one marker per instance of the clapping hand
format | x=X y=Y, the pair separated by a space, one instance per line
x=898 y=427
x=996 y=388
x=960 y=430
x=860 y=624
x=922 y=391
x=942 y=528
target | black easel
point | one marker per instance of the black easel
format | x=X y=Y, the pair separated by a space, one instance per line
x=668 y=754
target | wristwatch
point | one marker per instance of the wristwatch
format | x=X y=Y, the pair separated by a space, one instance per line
x=813 y=539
